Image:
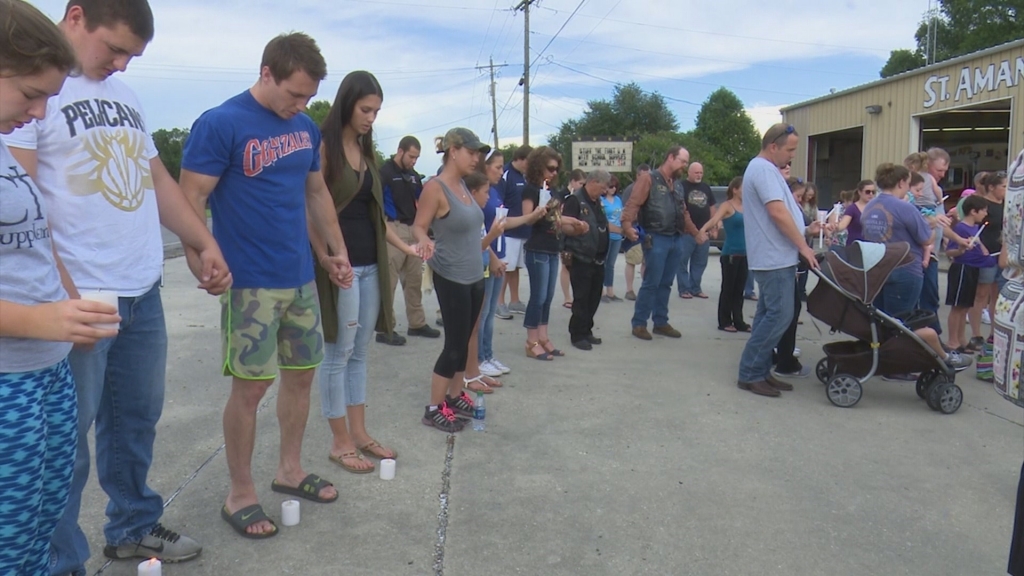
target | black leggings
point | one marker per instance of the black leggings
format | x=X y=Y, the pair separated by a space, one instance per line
x=460 y=306
x=730 y=299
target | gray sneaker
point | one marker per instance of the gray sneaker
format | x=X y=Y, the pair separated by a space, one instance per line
x=803 y=372
x=517 y=308
x=502 y=312
x=160 y=543
x=958 y=361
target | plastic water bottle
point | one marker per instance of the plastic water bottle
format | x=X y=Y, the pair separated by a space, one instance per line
x=479 y=412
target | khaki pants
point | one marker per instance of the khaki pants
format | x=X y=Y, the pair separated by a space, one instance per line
x=410 y=270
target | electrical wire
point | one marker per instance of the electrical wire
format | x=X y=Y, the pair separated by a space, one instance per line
x=564 y=24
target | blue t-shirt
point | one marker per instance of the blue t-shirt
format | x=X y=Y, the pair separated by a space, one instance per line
x=259 y=204
x=498 y=244
x=888 y=219
x=512 y=196
x=613 y=211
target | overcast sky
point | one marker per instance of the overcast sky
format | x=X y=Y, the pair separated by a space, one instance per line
x=425 y=54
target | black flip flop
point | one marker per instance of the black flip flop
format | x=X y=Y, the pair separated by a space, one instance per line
x=308 y=489
x=247 y=517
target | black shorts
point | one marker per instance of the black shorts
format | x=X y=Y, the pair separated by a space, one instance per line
x=962 y=285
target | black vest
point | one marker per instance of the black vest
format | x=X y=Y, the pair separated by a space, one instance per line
x=585 y=246
x=663 y=211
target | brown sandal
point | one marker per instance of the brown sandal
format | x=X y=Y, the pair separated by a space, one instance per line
x=531 y=354
x=554 y=351
x=494 y=382
x=367 y=449
x=340 y=461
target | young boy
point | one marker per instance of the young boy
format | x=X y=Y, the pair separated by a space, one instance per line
x=968 y=260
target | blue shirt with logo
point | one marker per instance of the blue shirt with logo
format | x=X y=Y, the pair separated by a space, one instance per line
x=259 y=203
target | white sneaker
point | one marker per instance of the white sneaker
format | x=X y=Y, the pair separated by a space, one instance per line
x=504 y=369
x=796 y=352
x=985 y=318
x=488 y=369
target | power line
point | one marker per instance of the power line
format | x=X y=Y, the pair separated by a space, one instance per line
x=564 y=24
x=408 y=5
x=777 y=40
x=614 y=83
x=599 y=22
x=676 y=80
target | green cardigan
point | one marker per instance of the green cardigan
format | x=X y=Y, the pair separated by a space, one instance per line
x=343 y=189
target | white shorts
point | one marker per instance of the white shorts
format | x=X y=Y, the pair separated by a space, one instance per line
x=514 y=253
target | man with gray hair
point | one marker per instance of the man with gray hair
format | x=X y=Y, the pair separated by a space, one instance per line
x=587 y=252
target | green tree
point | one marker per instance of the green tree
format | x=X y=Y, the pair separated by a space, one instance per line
x=630 y=113
x=651 y=149
x=170 y=143
x=901 y=61
x=318 y=110
x=965 y=26
x=724 y=125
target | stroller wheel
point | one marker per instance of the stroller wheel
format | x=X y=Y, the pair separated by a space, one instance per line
x=844 y=390
x=925 y=380
x=821 y=370
x=950 y=397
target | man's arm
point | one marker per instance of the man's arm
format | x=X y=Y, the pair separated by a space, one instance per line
x=193 y=191
x=783 y=220
x=641 y=191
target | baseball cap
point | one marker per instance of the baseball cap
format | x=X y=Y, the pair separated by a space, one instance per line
x=463 y=138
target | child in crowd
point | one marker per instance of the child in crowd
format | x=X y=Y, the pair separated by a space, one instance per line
x=968 y=260
x=480 y=189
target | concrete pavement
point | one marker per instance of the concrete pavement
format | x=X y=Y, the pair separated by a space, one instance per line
x=636 y=458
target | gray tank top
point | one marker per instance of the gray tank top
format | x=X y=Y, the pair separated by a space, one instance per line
x=457 y=240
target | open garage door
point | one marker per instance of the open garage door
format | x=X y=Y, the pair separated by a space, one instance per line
x=977 y=139
x=835 y=162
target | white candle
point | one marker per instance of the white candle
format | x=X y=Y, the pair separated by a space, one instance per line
x=980 y=230
x=387 y=469
x=290 y=513
x=106 y=297
x=150 y=567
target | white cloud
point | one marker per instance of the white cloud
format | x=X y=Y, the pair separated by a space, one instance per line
x=424 y=56
x=765 y=116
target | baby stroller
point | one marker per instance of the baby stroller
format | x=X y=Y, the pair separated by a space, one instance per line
x=848 y=282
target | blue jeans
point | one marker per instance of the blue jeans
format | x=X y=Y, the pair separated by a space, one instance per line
x=38 y=435
x=120 y=386
x=543 y=271
x=901 y=292
x=662 y=260
x=775 y=309
x=748 y=288
x=485 y=335
x=609 y=262
x=929 y=299
x=342 y=375
x=692 y=263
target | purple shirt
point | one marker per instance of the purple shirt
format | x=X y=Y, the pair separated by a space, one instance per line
x=853 y=230
x=888 y=219
x=974 y=257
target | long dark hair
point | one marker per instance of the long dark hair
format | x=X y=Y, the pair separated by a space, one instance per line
x=356 y=86
x=537 y=162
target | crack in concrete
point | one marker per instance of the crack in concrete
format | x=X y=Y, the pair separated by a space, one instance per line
x=986 y=411
x=442 y=516
x=191 y=477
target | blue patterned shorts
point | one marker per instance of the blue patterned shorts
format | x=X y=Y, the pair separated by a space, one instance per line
x=38 y=438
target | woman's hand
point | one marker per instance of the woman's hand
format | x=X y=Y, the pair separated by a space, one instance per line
x=425 y=249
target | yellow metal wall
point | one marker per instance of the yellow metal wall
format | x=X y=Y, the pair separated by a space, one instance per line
x=888 y=136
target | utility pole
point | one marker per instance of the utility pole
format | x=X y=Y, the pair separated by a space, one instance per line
x=524 y=5
x=494 y=103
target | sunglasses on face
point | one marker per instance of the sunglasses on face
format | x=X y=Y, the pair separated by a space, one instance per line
x=868 y=191
x=552 y=168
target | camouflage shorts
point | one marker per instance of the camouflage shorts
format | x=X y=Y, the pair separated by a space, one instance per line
x=267 y=329
x=635 y=255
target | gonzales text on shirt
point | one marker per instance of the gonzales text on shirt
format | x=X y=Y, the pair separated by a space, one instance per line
x=262 y=153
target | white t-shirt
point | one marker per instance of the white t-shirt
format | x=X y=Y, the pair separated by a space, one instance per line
x=28 y=274
x=94 y=172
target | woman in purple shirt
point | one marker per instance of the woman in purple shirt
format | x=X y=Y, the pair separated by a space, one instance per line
x=890 y=218
x=851 y=216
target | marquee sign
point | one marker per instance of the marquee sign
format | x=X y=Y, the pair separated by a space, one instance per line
x=611 y=156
